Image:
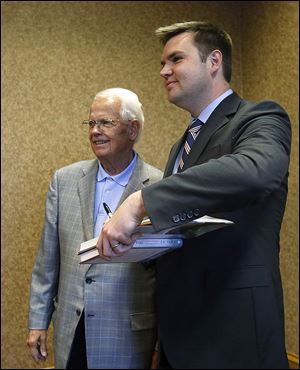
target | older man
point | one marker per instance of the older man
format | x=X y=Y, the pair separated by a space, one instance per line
x=103 y=315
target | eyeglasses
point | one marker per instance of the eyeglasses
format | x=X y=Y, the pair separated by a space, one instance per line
x=106 y=123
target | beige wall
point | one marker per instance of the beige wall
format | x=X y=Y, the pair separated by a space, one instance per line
x=57 y=55
x=270 y=65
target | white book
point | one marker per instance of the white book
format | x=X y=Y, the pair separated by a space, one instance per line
x=151 y=243
x=143 y=249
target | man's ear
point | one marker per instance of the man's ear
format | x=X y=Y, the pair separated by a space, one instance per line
x=133 y=129
x=215 y=58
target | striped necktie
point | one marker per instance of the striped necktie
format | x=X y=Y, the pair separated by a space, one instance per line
x=190 y=139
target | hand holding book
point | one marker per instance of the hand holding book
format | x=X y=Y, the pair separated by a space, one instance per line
x=151 y=244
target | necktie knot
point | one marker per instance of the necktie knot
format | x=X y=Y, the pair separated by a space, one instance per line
x=195 y=127
x=195 y=122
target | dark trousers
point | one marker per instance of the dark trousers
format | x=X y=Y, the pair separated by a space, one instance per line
x=163 y=362
x=77 y=358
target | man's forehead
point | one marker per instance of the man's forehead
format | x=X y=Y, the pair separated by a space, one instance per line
x=106 y=106
x=107 y=102
x=178 y=44
x=180 y=39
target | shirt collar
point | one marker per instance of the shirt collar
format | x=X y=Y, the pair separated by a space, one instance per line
x=204 y=115
x=121 y=178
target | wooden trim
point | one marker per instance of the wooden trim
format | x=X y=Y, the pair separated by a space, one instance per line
x=293 y=360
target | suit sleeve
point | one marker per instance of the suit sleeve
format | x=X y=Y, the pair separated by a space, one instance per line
x=46 y=268
x=255 y=165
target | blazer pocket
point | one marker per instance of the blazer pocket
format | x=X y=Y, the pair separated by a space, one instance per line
x=142 y=321
x=252 y=276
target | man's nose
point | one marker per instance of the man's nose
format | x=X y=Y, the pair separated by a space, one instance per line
x=97 y=129
x=165 y=71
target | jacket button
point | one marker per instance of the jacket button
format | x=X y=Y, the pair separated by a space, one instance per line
x=190 y=214
x=196 y=212
x=88 y=281
x=176 y=218
x=78 y=312
x=183 y=216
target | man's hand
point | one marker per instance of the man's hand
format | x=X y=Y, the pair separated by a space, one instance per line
x=118 y=233
x=154 y=360
x=37 y=343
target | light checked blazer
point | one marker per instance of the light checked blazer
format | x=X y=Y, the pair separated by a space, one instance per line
x=117 y=299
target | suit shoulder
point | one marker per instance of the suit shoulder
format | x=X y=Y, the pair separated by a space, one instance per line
x=268 y=112
x=76 y=168
x=155 y=174
x=264 y=107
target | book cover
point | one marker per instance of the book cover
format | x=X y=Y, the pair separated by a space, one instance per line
x=151 y=243
x=144 y=248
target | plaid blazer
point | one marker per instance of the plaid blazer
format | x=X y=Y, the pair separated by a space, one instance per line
x=117 y=299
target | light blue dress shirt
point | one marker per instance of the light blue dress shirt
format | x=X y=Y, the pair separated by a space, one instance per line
x=203 y=117
x=109 y=189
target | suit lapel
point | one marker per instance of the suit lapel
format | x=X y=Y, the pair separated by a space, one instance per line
x=139 y=177
x=219 y=117
x=173 y=155
x=204 y=136
x=86 y=189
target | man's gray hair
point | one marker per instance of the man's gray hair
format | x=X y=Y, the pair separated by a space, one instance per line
x=131 y=108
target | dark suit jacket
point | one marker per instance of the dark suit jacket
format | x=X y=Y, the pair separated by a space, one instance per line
x=220 y=303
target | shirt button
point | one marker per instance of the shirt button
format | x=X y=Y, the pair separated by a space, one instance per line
x=78 y=312
x=88 y=281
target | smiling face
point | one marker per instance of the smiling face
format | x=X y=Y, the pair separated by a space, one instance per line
x=186 y=78
x=113 y=146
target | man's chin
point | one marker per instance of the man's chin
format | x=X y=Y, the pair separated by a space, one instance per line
x=100 y=153
x=174 y=99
